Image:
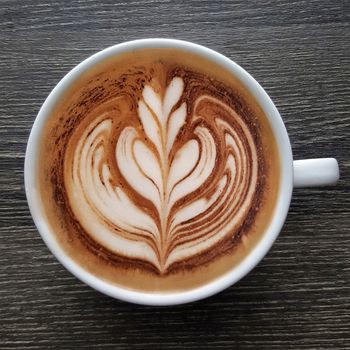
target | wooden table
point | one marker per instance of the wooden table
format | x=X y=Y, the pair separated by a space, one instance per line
x=299 y=295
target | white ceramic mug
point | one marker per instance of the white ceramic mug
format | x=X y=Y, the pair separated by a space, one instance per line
x=311 y=172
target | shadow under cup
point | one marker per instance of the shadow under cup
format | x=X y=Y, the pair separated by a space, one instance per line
x=82 y=122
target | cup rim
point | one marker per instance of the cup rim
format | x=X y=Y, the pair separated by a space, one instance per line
x=220 y=283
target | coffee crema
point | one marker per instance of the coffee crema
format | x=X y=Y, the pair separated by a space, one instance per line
x=159 y=171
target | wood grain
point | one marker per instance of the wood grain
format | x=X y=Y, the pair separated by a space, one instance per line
x=299 y=296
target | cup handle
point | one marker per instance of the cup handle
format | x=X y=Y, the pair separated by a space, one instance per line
x=315 y=172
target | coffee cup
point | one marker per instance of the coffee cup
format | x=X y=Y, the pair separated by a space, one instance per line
x=291 y=174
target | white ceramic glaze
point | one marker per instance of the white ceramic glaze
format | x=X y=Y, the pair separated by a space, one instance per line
x=327 y=173
x=315 y=172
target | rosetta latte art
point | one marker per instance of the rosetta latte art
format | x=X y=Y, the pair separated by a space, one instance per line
x=195 y=169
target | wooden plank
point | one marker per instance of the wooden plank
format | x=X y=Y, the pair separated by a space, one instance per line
x=298 y=297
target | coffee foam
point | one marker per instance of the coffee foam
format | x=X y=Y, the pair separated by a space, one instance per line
x=162 y=169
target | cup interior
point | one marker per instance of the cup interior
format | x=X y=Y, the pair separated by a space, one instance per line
x=222 y=282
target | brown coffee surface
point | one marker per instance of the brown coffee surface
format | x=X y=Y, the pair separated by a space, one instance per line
x=158 y=171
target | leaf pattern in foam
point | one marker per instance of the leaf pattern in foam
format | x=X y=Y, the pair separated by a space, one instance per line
x=197 y=207
x=136 y=160
x=149 y=173
x=201 y=172
x=150 y=125
x=96 y=201
x=148 y=163
x=131 y=169
x=175 y=123
x=183 y=163
x=172 y=96
x=155 y=115
x=189 y=169
x=154 y=103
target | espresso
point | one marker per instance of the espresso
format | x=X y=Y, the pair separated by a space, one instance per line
x=159 y=171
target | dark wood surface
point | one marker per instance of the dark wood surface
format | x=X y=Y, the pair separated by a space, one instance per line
x=299 y=295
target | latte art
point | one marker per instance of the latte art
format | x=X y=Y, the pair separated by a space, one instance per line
x=158 y=171
x=192 y=164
